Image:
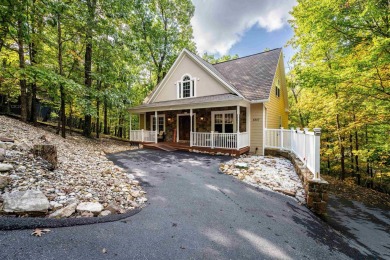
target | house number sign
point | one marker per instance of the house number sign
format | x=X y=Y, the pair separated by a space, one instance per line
x=256 y=119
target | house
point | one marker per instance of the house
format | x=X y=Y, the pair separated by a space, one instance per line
x=225 y=106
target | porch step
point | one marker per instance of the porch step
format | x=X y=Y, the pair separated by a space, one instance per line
x=164 y=147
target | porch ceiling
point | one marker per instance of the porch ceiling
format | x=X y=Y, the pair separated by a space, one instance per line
x=187 y=103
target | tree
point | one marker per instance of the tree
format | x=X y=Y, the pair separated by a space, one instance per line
x=341 y=70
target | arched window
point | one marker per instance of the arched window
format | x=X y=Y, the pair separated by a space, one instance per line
x=186 y=87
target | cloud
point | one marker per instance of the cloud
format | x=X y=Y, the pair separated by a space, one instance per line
x=219 y=24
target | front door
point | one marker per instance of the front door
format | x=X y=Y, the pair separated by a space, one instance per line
x=184 y=128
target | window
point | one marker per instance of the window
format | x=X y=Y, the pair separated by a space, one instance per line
x=277 y=90
x=186 y=87
x=224 y=121
x=161 y=123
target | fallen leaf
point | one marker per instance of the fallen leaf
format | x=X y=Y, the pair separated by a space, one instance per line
x=104 y=251
x=39 y=232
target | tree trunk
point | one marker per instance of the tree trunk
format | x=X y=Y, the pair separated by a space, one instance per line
x=60 y=67
x=88 y=82
x=33 y=53
x=22 y=64
x=106 y=132
x=352 y=155
x=88 y=62
x=342 y=149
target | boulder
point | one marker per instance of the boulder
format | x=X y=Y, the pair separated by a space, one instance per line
x=114 y=208
x=47 y=152
x=2 y=154
x=5 y=167
x=29 y=201
x=64 y=212
x=286 y=192
x=105 y=213
x=4 y=181
x=93 y=207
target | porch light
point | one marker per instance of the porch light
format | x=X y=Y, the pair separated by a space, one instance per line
x=169 y=119
x=201 y=118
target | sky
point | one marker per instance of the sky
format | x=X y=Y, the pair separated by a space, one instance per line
x=242 y=27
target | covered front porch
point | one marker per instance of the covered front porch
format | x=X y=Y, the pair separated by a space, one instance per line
x=215 y=126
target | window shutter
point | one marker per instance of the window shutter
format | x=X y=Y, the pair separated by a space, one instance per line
x=193 y=88
x=178 y=89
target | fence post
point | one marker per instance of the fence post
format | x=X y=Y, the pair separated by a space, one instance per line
x=292 y=139
x=317 y=152
x=212 y=139
x=305 y=130
x=281 y=137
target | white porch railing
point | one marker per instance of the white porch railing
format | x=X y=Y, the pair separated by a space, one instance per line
x=220 y=140
x=142 y=136
x=304 y=144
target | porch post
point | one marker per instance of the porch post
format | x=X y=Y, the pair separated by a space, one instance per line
x=191 y=127
x=156 y=133
x=248 y=123
x=144 y=121
x=130 y=129
x=238 y=142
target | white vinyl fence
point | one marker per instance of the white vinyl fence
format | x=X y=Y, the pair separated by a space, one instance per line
x=304 y=144
x=220 y=140
x=143 y=136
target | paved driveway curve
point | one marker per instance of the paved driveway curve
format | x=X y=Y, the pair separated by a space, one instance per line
x=193 y=212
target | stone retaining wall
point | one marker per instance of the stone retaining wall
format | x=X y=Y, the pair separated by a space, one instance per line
x=316 y=190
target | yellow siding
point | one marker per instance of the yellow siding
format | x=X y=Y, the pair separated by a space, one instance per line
x=277 y=106
x=256 y=128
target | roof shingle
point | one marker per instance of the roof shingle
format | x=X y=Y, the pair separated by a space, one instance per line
x=252 y=75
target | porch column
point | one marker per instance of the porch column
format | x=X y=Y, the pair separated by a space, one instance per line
x=156 y=121
x=144 y=121
x=130 y=128
x=238 y=140
x=248 y=123
x=191 y=127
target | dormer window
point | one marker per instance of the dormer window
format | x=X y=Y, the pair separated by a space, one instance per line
x=186 y=87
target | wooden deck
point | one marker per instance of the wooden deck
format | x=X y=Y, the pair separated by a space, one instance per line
x=171 y=146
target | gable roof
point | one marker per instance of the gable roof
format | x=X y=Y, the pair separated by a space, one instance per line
x=252 y=75
x=207 y=66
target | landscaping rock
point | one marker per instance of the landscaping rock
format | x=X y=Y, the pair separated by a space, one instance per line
x=47 y=152
x=83 y=173
x=114 y=208
x=64 y=212
x=93 y=207
x=286 y=192
x=2 y=155
x=4 y=181
x=105 y=213
x=271 y=173
x=5 y=167
x=29 y=201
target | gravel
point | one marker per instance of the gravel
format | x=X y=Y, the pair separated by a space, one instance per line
x=84 y=173
x=271 y=173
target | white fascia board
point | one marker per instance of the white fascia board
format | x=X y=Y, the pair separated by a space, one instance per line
x=259 y=101
x=189 y=106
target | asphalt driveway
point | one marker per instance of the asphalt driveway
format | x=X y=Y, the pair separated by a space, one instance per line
x=193 y=212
